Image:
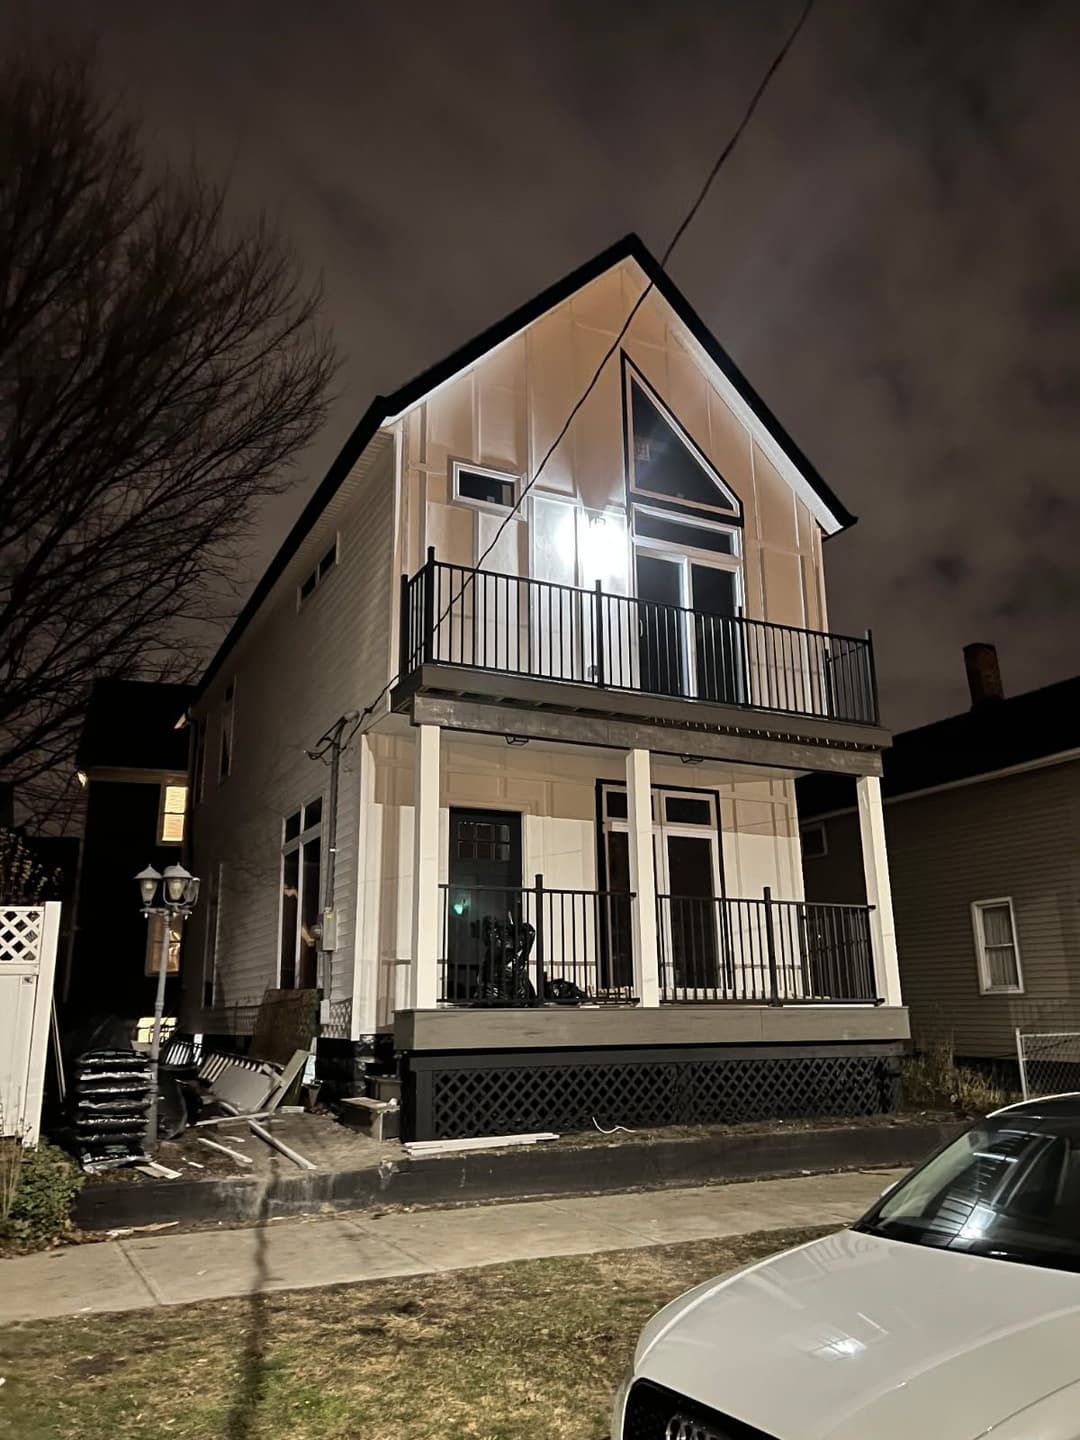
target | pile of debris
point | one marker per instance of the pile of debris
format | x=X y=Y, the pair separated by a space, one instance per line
x=110 y=1100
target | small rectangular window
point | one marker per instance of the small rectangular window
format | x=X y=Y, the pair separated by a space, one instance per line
x=694 y=537
x=996 y=946
x=312 y=813
x=315 y=578
x=815 y=841
x=292 y=827
x=489 y=488
x=616 y=804
x=687 y=810
x=173 y=811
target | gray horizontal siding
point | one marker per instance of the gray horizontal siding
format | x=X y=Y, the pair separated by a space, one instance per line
x=1017 y=836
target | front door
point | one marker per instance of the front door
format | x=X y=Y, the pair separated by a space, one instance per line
x=718 y=634
x=661 y=625
x=691 y=947
x=484 y=929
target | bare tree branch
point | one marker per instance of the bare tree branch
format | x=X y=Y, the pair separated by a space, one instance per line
x=159 y=373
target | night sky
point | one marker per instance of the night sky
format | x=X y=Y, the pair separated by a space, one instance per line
x=892 y=257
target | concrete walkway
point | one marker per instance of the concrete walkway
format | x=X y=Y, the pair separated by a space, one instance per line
x=164 y=1269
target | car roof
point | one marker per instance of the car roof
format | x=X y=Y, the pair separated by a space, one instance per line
x=1061 y=1107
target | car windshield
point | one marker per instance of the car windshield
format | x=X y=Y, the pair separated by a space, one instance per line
x=1009 y=1188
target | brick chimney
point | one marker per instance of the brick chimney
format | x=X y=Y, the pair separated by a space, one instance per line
x=983 y=673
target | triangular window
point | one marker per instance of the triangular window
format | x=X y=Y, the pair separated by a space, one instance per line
x=664 y=463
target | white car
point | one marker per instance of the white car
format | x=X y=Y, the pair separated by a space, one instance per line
x=950 y=1311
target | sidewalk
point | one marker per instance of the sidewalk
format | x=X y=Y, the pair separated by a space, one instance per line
x=297 y=1254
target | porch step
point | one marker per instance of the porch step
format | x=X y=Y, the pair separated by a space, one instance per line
x=385 y=1087
x=381 y=1119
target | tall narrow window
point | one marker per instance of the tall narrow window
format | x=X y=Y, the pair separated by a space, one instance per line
x=996 y=947
x=173 y=812
x=199 y=766
x=210 y=940
x=228 y=722
x=301 y=897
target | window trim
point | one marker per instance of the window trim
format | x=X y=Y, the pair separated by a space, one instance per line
x=820 y=828
x=228 y=724
x=985 y=985
x=488 y=506
x=316 y=575
x=162 y=838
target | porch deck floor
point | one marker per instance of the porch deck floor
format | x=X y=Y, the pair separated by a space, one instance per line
x=310 y=1252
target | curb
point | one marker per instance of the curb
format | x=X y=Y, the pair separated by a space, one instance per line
x=531 y=1173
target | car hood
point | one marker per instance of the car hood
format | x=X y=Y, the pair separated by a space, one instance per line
x=854 y=1336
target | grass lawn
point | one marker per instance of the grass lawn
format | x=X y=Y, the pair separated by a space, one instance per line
x=527 y=1351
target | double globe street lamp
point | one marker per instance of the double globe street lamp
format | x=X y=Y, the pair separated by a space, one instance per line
x=172 y=895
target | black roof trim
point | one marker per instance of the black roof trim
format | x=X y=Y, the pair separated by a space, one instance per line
x=630 y=247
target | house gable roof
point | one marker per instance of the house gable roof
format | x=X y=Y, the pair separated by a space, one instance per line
x=386 y=407
x=995 y=736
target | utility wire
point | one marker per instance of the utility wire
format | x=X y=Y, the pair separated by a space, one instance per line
x=687 y=221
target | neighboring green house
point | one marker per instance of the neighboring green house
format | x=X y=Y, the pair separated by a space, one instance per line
x=982 y=814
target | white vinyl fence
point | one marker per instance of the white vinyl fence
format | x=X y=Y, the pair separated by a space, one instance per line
x=28 y=936
x=1049 y=1062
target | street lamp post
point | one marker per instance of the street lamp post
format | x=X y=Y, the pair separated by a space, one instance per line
x=171 y=895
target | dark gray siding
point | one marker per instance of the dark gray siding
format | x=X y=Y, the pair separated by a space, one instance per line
x=1017 y=836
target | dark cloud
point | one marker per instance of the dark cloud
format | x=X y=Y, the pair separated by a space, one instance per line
x=891 y=254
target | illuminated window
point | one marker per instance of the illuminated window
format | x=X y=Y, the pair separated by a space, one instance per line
x=154 y=935
x=173 y=811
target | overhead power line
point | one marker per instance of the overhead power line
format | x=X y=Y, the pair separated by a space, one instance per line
x=680 y=231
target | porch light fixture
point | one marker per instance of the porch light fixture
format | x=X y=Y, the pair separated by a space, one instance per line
x=172 y=897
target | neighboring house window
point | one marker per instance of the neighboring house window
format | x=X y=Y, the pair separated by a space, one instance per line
x=301 y=881
x=155 y=930
x=815 y=842
x=489 y=489
x=311 y=582
x=996 y=946
x=173 y=811
x=228 y=722
x=210 y=940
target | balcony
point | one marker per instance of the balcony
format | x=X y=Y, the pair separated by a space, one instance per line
x=535 y=946
x=457 y=622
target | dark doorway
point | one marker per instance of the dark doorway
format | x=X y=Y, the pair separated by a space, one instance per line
x=718 y=634
x=660 y=625
x=618 y=950
x=484 y=913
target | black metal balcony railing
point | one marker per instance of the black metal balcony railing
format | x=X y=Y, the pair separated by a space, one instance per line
x=531 y=945
x=453 y=615
x=766 y=952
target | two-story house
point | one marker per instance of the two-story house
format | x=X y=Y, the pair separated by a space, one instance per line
x=548 y=847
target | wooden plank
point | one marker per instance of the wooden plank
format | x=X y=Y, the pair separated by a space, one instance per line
x=564 y=1028
x=480 y=718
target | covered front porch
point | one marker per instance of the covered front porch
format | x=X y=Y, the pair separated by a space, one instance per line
x=556 y=877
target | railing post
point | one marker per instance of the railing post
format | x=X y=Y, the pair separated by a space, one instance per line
x=404 y=655
x=429 y=606
x=540 y=937
x=598 y=634
x=871 y=678
x=770 y=941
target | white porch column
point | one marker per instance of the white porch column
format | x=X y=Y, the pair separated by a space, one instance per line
x=642 y=878
x=423 y=974
x=878 y=889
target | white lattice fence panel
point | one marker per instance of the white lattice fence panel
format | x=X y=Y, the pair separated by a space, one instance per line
x=21 y=930
x=28 y=935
